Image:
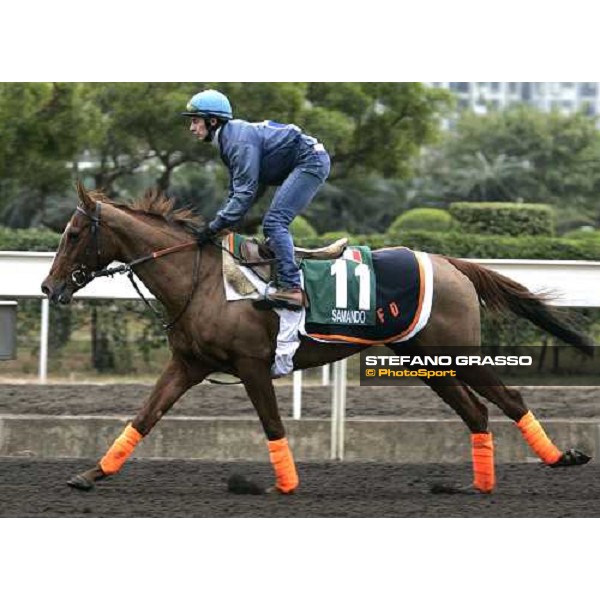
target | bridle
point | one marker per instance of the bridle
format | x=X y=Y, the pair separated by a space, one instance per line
x=81 y=276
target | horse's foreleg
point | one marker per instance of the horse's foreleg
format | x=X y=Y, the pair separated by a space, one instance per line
x=256 y=377
x=176 y=379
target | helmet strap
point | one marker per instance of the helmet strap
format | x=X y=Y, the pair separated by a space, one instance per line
x=212 y=129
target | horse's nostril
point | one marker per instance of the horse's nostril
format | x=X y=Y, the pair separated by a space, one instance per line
x=45 y=290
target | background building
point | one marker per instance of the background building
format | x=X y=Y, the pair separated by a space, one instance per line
x=566 y=96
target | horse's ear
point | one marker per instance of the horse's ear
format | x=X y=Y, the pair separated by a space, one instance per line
x=84 y=198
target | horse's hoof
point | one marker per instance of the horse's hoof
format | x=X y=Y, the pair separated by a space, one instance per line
x=275 y=490
x=79 y=482
x=572 y=458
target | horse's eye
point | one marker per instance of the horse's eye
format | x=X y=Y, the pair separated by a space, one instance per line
x=73 y=235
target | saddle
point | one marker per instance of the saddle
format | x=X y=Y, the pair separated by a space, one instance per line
x=261 y=259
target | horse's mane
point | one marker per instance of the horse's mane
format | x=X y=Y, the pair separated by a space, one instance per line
x=156 y=204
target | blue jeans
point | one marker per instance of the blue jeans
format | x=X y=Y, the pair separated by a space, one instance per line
x=294 y=195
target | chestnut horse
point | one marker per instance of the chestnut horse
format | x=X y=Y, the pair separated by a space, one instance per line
x=209 y=334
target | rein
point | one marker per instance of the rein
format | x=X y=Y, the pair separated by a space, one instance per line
x=82 y=277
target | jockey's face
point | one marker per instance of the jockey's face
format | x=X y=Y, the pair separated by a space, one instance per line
x=198 y=127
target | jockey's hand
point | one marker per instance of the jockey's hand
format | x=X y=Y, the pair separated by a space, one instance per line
x=204 y=235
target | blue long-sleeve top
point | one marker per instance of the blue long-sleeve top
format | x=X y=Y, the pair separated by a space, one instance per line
x=257 y=155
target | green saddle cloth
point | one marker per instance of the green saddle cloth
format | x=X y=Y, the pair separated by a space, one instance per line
x=342 y=291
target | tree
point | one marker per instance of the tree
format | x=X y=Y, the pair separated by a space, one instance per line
x=370 y=131
x=481 y=179
x=136 y=125
x=520 y=153
x=126 y=136
x=41 y=129
x=374 y=127
x=140 y=128
x=366 y=204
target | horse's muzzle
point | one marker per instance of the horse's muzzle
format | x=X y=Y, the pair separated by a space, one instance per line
x=59 y=294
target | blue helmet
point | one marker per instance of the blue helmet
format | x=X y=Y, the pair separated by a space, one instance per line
x=209 y=103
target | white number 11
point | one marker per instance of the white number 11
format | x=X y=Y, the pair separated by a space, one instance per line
x=339 y=269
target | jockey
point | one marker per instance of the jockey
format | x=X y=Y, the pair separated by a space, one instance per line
x=259 y=155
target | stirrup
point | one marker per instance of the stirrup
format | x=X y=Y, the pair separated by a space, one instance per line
x=269 y=303
x=266 y=303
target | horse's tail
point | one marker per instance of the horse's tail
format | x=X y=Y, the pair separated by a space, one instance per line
x=502 y=294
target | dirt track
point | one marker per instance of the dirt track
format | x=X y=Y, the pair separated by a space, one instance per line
x=216 y=400
x=150 y=488
x=145 y=488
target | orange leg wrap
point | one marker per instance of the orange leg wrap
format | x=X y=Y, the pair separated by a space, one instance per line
x=283 y=463
x=482 y=451
x=536 y=437
x=120 y=451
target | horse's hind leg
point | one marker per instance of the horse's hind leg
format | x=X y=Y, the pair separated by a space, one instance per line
x=475 y=415
x=487 y=383
x=175 y=380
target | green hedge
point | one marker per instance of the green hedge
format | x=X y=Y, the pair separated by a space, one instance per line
x=28 y=240
x=477 y=246
x=496 y=246
x=422 y=219
x=450 y=244
x=502 y=218
x=582 y=234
